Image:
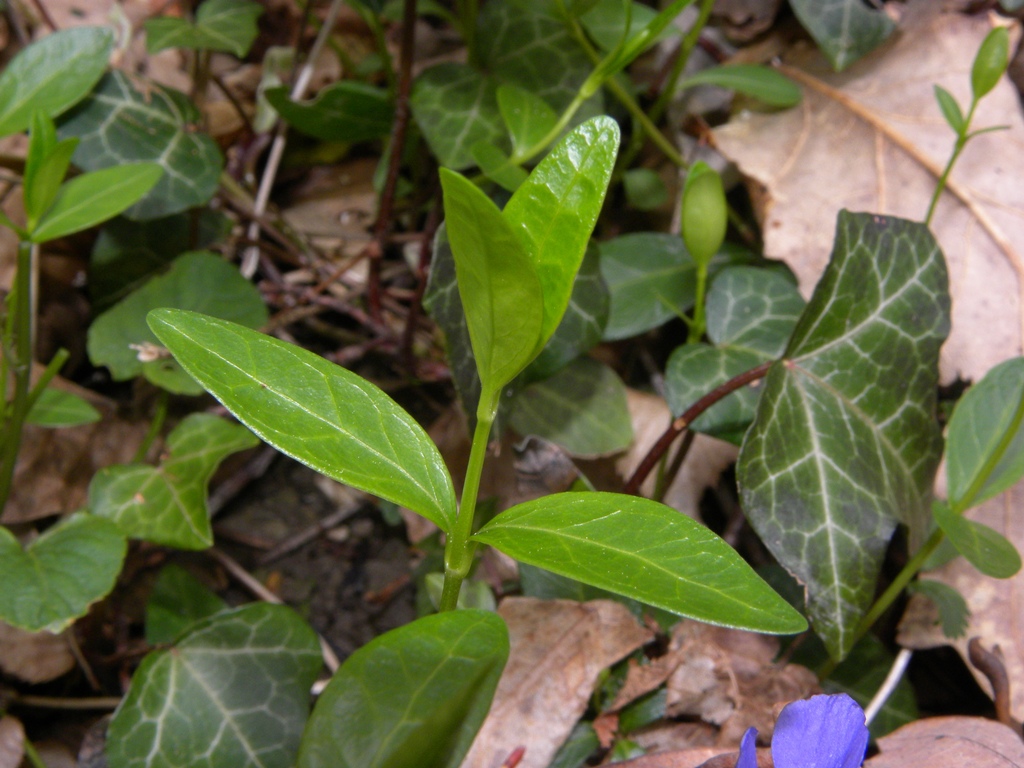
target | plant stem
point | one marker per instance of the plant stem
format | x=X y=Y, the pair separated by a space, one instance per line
x=468 y=11
x=961 y=142
x=155 y=425
x=458 y=551
x=700 y=320
x=22 y=348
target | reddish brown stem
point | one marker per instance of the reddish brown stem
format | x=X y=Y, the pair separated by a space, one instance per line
x=992 y=666
x=678 y=425
x=382 y=225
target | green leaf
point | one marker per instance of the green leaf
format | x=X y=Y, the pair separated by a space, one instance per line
x=582 y=408
x=765 y=84
x=115 y=337
x=56 y=577
x=166 y=504
x=413 y=698
x=233 y=692
x=554 y=211
x=527 y=116
x=316 y=412
x=120 y=124
x=844 y=29
x=501 y=293
x=52 y=75
x=954 y=615
x=46 y=164
x=581 y=743
x=753 y=308
x=991 y=61
x=644 y=189
x=644 y=550
x=983 y=547
x=456 y=108
x=606 y=21
x=94 y=197
x=496 y=166
x=128 y=253
x=345 y=111
x=220 y=25
x=950 y=109
x=845 y=443
x=57 y=408
x=985 y=443
x=177 y=602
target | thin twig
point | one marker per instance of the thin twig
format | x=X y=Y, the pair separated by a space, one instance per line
x=230 y=488
x=899 y=666
x=45 y=15
x=991 y=665
x=63 y=702
x=678 y=425
x=307 y=535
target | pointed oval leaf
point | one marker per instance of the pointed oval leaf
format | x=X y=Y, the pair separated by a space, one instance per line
x=527 y=116
x=950 y=109
x=413 y=698
x=94 y=197
x=52 y=75
x=985 y=443
x=234 y=691
x=983 y=547
x=345 y=111
x=316 y=412
x=57 y=408
x=501 y=293
x=644 y=550
x=845 y=442
x=496 y=166
x=763 y=83
x=166 y=504
x=54 y=580
x=554 y=211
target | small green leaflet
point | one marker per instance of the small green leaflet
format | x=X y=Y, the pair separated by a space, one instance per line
x=57 y=408
x=220 y=25
x=344 y=111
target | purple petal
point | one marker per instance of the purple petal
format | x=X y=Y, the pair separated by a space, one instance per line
x=748 y=750
x=820 y=732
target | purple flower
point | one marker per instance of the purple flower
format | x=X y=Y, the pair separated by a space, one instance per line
x=819 y=732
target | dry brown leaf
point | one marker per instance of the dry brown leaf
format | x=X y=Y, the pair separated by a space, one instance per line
x=997 y=605
x=35 y=657
x=873 y=139
x=950 y=742
x=558 y=649
x=667 y=736
x=12 y=742
x=698 y=757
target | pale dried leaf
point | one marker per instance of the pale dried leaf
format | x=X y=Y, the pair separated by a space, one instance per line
x=35 y=657
x=698 y=757
x=950 y=742
x=12 y=742
x=873 y=139
x=667 y=736
x=558 y=649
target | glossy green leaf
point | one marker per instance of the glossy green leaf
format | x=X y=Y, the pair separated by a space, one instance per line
x=985 y=443
x=234 y=691
x=456 y=107
x=991 y=61
x=55 y=578
x=120 y=123
x=496 y=166
x=606 y=21
x=316 y=412
x=345 y=111
x=582 y=408
x=52 y=75
x=644 y=550
x=46 y=165
x=765 y=84
x=752 y=308
x=527 y=117
x=220 y=25
x=177 y=602
x=94 y=197
x=115 y=337
x=950 y=109
x=57 y=408
x=128 y=253
x=498 y=283
x=554 y=211
x=845 y=30
x=983 y=547
x=705 y=213
x=166 y=504
x=413 y=698
x=845 y=443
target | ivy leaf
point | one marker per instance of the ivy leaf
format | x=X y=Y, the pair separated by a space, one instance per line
x=166 y=504
x=845 y=442
x=413 y=698
x=345 y=111
x=220 y=25
x=177 y=602
x=844 y=29
x=54 y=579
x=582 y=408
x=57 y=408
x=316 y=412
x=233 y=691
x=119 y=124
x=115 y=337
x=52 y=75
x=643 y=550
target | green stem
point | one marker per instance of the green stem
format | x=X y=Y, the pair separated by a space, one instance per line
x=47 y=376
x=155 y=426
x=458 y=550
x=32 y=754
x=961 y=142
x=468 y=11
x=22 y=366
x=699 y=323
